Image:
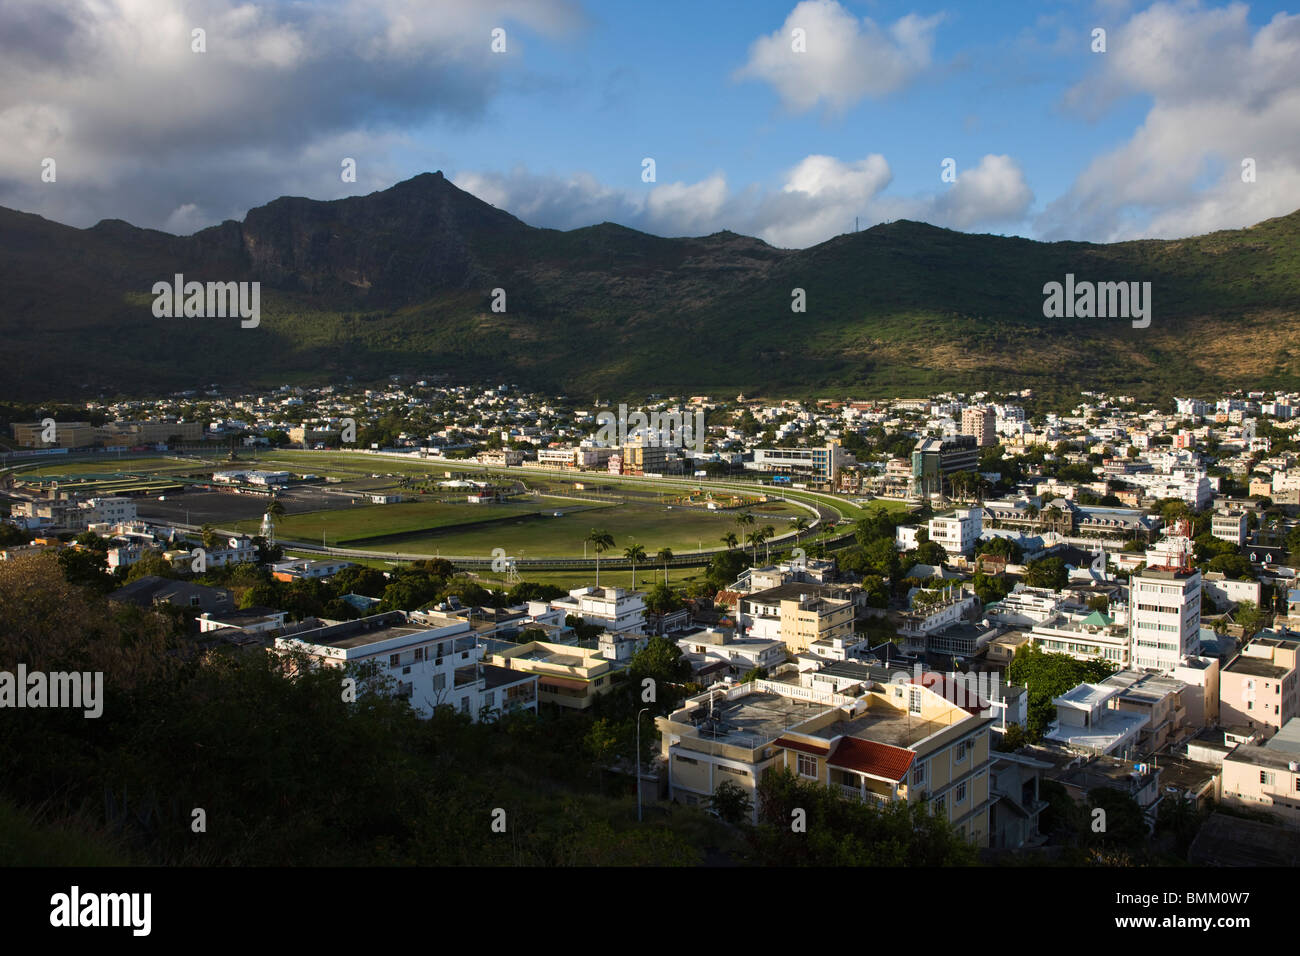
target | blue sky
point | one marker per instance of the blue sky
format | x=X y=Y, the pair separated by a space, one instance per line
x=1051 y=140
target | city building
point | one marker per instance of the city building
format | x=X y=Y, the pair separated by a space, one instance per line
x=431 y=666
x=816 y=466
x=1165 y=606
x=1258 y=688
x=980 y=422
x=934 y=459
x=567 y=676
x=958 y=530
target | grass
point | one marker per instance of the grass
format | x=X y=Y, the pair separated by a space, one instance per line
x=28 y=840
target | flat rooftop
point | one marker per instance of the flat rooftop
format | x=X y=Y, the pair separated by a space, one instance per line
x=749 y=721
x=1256 y=667
x=884 y=725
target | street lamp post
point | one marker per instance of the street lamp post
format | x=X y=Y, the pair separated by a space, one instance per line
x=638 y=762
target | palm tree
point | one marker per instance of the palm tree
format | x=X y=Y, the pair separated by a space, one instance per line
x=275 y=509
x=665 y=555
x=800 y=526
x=768 y=534
x=730 y=540
x=210 y=539
x=602 y=541
x=634 y=553
x=754 y=539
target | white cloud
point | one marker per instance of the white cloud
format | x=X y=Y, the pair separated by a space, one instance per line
x=140 y=124
x=1220 y=92
x=818 y=199
x=845 y=59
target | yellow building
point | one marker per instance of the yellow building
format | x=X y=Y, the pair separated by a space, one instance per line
x=567 y=676
x=881 y=744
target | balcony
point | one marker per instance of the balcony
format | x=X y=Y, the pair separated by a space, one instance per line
x=862 y=795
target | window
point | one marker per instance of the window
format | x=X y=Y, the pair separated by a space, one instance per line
x=807 y=766
x=961 y=793
x=1266 y=777
x=490 y=699
x=419 y=654
x=962 y=748
x=914 y=701
x=940 y=806
x=464 y=705
x=439 y=681
x=394 y=660
x=918 y=775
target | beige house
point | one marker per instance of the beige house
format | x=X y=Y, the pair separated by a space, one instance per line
x=1266 y=775
x=1258 y=687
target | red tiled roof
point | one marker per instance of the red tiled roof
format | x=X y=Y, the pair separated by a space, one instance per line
x=867 y=756
x=726 y=598
x=821 y=750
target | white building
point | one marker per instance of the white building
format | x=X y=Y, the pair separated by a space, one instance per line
x=1165 y=607
x=615 y=609
x=432 y=666
x=1229 y=526
x=957 y=531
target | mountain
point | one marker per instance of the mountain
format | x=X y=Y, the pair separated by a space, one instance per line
x=401 y=281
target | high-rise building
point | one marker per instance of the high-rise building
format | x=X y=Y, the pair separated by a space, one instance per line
x=1165 y=605
x=980 y=422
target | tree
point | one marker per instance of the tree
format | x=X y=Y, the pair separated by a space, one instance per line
x=661 y=599
x=932 y=553
x=275 y=509
x=769 y=533
x=730 y=540
x=601 y=541
x=665 y=555
x=731 y=802
x=1047 y=573
x=801 y=525
x=1048 y=675
x=211 y=540
x=1248 y=615
x=86 y=568
x=634 y=553
x=661 y=660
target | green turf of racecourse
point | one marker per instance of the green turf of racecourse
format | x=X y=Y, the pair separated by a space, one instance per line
x=365 y=523
x=111 y=464
x=643 y=519
x=651 y=525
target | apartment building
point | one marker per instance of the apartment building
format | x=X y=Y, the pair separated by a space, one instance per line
x=567 y=676
x=1165 y=609
x=1229 y=526
x=1091 y=636
x=615 y=609
x=980 y=422
x=432 y=666
x=957 y=531
x=1087 y=723
x=740 y=654
x=1258 y=687
x=900 y=741
x=1265 y=775
x=799 y=614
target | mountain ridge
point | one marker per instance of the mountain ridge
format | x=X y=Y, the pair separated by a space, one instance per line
x=401 y=280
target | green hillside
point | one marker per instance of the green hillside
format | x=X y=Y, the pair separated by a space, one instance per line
x=401 y=281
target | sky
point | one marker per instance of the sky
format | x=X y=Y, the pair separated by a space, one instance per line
x=784 y=120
